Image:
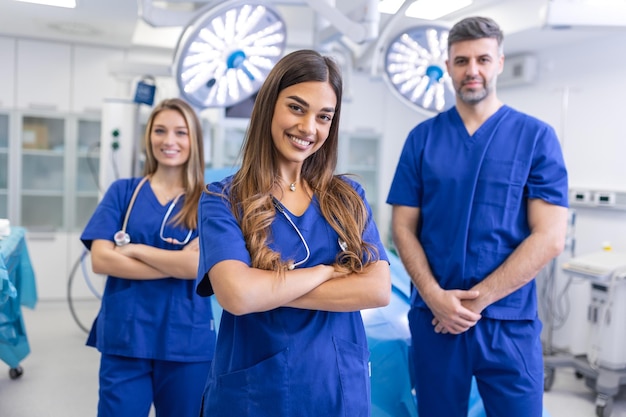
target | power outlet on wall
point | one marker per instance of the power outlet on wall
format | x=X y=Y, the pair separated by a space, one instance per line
x=580 y=197
x=604 y=198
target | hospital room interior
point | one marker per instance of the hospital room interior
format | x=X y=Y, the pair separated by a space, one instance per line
x=78 y=82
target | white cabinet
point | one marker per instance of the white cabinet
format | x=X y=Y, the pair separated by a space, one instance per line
x=85 y=189
x=43 y=77
x=4 y=165
x=223 y=138
x=91 y=80
x=48 y=255
x=49 y=148
x=7 y=73
x=229 y=139
x=42 y=171
x=59 y=77
x=56 y=166
x=359 y=154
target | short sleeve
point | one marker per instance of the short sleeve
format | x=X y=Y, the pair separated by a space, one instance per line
x=109 y=214
x=548 y=175
x=220 y=235
x=406 y=185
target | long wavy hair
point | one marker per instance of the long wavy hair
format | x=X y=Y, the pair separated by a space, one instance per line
x=250 y=194
x=193 y=169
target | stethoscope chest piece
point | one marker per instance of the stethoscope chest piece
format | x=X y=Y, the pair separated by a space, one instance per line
x=121 y=238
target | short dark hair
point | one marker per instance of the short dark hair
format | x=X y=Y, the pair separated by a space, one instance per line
x=475 y=27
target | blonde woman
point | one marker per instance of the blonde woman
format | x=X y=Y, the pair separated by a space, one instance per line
x=155 y=334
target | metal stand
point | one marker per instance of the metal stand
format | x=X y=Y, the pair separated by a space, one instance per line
x=604 y=382
x=607 y=373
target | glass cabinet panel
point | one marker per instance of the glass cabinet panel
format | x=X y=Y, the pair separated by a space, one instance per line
x=43 y=133
x=43 y=171
x=4 y=131
x=4 y=165
x=42 y=212
x=363 y=153
x=233 y=140
x=87 y=171
x=4 y=205
x=363 y=162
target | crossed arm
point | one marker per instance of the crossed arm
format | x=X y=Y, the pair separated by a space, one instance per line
x=241 y=289
x=455 y=311
x=142 y=262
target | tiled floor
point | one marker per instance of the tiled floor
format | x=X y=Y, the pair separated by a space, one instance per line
x=60 y=374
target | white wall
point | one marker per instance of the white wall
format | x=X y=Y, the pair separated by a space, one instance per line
x=374 y=107
x=580 y=91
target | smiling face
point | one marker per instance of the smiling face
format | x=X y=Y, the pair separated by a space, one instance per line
x=302 y=119
x=169 y=139
x=474 y=66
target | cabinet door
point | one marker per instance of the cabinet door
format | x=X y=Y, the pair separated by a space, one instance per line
x=85 y=284
x=233 y=140
x=42 y=173
x=360 y=156
x=91 y=80
x=229 y=135
x=48 y=254
x=7 y=73
x=43 y=75
x=86 y=184
x=4 y=166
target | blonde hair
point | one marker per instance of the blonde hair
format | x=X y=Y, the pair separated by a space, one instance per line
x=193 y=178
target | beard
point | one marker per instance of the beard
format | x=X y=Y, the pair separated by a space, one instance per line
x=474 y=96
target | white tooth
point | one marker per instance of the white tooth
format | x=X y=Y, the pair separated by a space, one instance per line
x=300 y=141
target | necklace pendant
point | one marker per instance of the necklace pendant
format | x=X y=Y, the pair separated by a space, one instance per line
x=292 y=186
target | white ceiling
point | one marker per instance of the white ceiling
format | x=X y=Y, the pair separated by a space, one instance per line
x=116 y=23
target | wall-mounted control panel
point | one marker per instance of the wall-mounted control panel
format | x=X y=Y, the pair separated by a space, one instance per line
x=585 y=197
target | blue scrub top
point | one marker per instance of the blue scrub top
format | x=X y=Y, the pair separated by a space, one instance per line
x=473 y=193
x=160 y=319
x=287 y=361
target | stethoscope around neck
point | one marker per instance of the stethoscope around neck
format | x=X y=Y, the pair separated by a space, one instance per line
x=121 y=237
x=342 y=244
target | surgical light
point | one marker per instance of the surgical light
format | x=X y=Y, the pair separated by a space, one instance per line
x=70 y=4
x=414 y=68
x=424 y=9
x=227 y=51
x=434 y=9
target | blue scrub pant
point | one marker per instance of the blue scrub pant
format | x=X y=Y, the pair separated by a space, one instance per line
x=505 y=356
x=129 y=386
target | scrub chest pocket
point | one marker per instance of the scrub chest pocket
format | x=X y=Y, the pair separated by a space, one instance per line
x=500 y=183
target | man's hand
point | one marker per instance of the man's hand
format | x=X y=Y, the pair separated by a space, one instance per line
x=451 y=316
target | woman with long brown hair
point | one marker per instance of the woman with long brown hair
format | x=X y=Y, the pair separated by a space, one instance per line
x=292 y=254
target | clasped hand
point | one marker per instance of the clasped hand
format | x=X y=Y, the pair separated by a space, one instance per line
x=454 y=311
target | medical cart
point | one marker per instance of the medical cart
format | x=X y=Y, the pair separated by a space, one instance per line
x=604 y=364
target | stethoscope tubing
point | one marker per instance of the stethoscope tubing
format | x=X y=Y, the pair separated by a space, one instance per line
x=281 y=209
x=121 y=237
